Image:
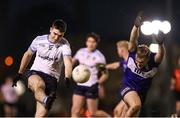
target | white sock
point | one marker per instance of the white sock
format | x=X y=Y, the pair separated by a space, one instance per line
x=45 y=99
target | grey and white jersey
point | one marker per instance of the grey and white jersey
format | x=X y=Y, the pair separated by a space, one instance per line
x=49 y=56
x=90 y=59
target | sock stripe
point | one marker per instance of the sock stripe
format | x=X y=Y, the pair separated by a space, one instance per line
x=45 y=99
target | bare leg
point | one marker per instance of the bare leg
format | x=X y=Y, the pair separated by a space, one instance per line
x=40 y=110
x=178 y=107
x=37 y=85
x=14 y=111
x=101 y=92
x=120 y=109
x=125 y=109
x=8 y=111
x=78 y=102
x=92 y=105
x=134 y=104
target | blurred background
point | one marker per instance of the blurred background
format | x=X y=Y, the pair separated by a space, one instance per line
x=22 y=20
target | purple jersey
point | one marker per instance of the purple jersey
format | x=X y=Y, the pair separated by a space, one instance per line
x=139 y=79
x=123 y=64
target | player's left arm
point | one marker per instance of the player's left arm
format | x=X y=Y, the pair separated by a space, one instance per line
x=113 y=66
x=160 y=54
x=66 y=51
x=161 y=48
x=103 y=71
x=68 y=66
x=104 y=76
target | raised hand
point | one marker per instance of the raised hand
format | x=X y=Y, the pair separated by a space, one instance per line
x=139 y=19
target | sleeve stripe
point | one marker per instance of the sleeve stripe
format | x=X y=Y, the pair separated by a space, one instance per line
x=32 y=49
x=66 y=54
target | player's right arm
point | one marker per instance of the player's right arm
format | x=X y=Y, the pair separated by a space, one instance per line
x=27 y=55
x=113 y=66
x=133 y=38
x=25 y=61
x=135 y=32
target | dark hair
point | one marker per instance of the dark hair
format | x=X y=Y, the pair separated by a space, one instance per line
x=60 y=25
x=95 y=36
x=143 y=51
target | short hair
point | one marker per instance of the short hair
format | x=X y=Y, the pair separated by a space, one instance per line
x=122 y=43
x=93 y=35
x=60 y=25
x=143 y=51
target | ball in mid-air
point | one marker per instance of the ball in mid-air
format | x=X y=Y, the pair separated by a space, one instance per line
x=81 y=74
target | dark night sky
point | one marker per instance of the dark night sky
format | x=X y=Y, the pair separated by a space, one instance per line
x=21 y=21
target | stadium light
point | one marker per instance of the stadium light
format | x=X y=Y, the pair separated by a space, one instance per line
x=146 y=28
x=149 y=28
x=156 y=24
x=153 y=47
x=8 y=60
x=165 y=27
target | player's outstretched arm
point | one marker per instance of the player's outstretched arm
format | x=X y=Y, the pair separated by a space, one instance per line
x=113 y=66
x=161 y=49
x=159 y=56
x=68 y=69
x=104 y=76
x=25 y=61
x=133 y=38
x=135 y=32
x=103 y=71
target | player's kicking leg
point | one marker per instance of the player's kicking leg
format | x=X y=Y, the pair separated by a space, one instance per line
x=120 y=109
x=40 y=110
x=134 y=104
x=37 y=85
x=92 y=105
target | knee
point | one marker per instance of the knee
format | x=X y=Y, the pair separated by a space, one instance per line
x=135 y=107
x=118 y=112
x=39 y=87
x=75 y=111
x=115 y=112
